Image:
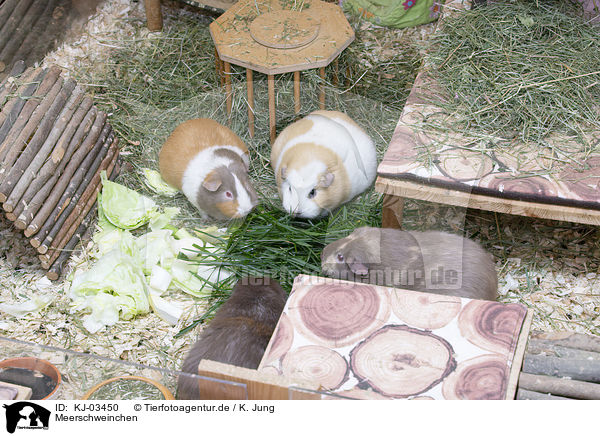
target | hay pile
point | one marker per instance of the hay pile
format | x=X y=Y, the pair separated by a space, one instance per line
x=520 y=70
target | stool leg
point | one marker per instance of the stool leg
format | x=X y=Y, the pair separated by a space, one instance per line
x=392 y=211
x=297 y=91
x=229 y=100
x=154 y=19
x=271 y=80
x=322 y=92
x=219 y=67
x=250 y=87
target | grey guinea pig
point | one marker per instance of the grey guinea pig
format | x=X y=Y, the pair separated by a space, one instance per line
x=431 y=261
x=209 y=163
x=240 y=331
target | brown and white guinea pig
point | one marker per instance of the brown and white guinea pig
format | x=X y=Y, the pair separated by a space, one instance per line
x=431 y=261
x=321 y=162
x=240 y=331
x=209 y=164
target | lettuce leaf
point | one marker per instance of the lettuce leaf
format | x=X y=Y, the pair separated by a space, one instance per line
x=19 y=310
x=155 y=182
x=123 y=207
x=114 y=286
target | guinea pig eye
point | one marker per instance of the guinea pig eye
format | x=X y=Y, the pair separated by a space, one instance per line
x=340 y=257
x=312 y=193
x=228 y=194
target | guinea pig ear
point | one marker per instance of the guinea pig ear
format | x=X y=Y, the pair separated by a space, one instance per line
x=284 y=173
x=357 y=267
x=326 y=180
x=212 y=181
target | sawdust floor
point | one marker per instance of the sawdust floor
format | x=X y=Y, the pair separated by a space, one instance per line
x=552 y=267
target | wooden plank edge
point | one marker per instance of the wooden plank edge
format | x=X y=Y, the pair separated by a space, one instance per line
x=252 y=378
x=515 y=368
x=434 y=194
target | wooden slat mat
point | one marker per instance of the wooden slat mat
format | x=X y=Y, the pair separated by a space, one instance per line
x=29 y=29
x=54 y=143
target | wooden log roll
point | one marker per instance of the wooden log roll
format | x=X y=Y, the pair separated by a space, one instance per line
x=27 y=112
x=53 y=22
x=8 y=29
x=52 y=169
x=41 y=136
x=583 y=370
x=51 y=202
x=550 y=348
x=11 y=47
x=32 y=39
x=570 y=339
x=49 y=258
x=19 y=102
x=57 y=234
x=17 y=68
x=56 y=268
x=7 y=7
x=524 y=394
x=559 y=386
x=81 y=209
x=26 y=136
x=39 y=196
x=18 y=87
x=24 y=171
x=77 y=185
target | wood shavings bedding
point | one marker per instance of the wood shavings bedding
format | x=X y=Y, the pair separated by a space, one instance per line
x=564 y=257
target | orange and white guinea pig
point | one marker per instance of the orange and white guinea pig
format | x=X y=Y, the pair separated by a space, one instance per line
x=321 y=162
x=209 y=164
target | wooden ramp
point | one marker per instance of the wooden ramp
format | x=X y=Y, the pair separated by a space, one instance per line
x=53 y=145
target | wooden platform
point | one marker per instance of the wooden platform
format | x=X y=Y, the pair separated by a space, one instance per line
x=559 y=180
x=373 y=342
x=54 y=143
x=273 y=37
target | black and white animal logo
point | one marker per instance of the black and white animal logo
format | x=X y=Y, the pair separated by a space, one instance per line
x=24 y=414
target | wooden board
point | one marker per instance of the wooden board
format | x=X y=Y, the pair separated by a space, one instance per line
x=515 y=368
x=374 y=342
x=249 y=384
x=435 y=194
x=23 y=392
